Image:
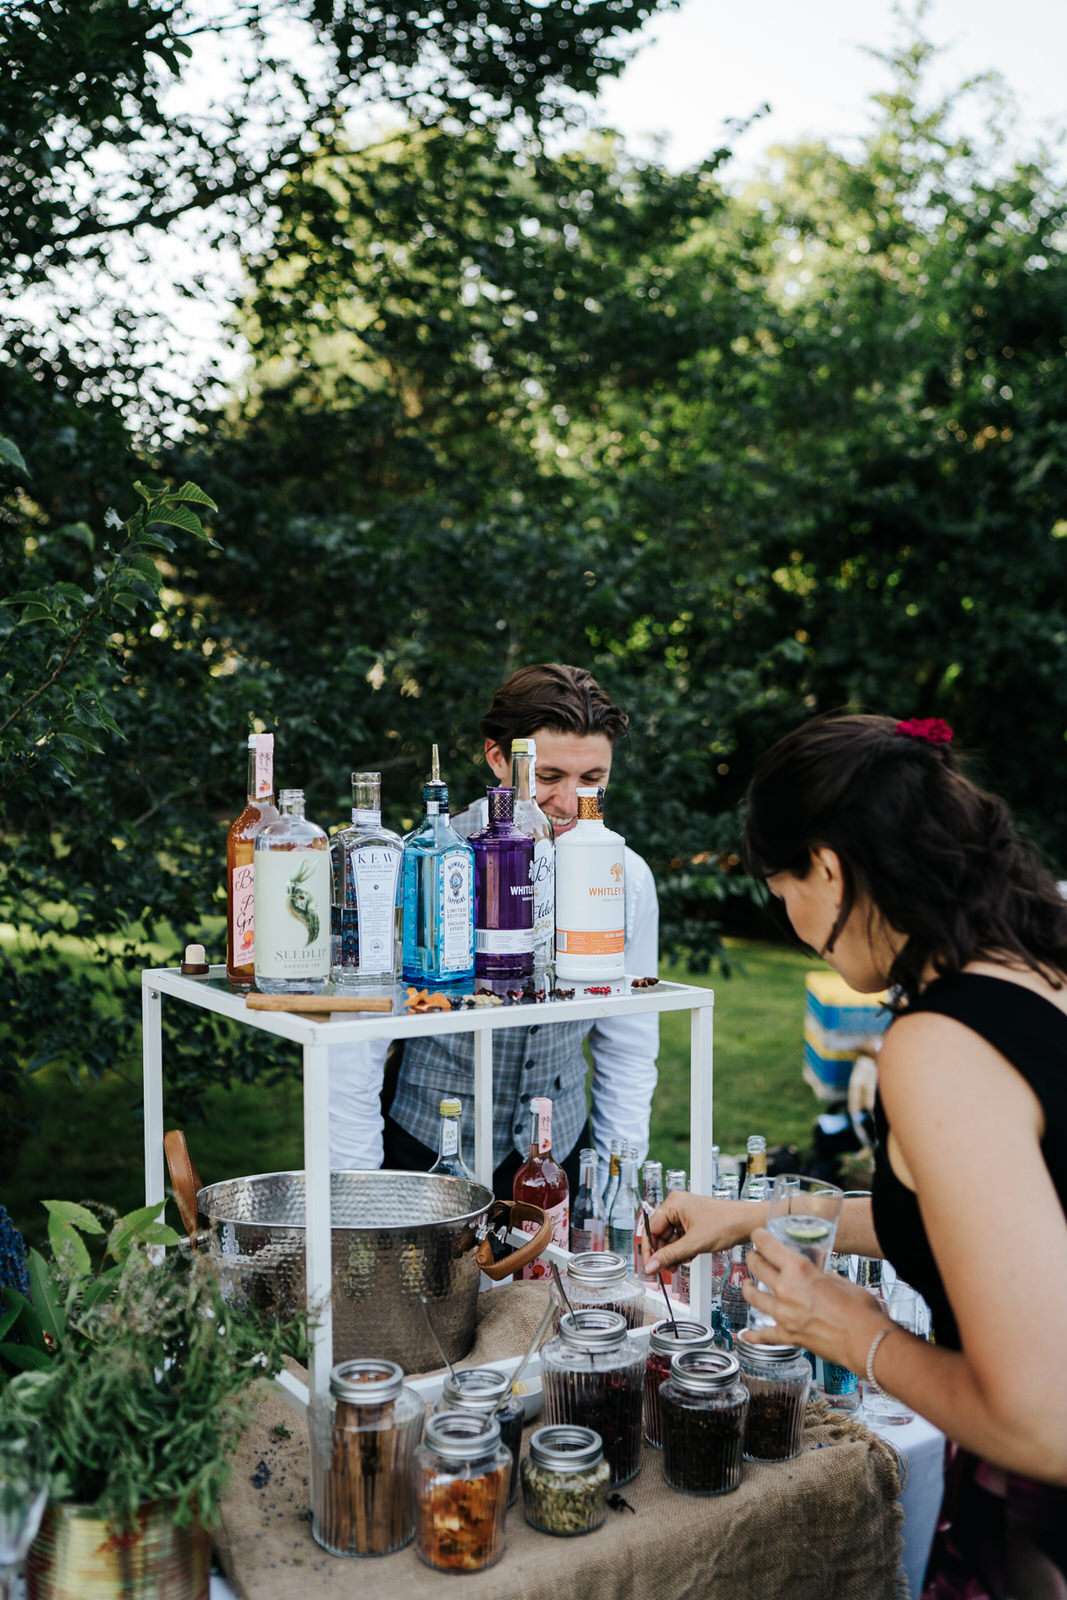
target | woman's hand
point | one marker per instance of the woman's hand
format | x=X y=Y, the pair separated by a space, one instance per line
x=820 y=1311
x=685 y=1225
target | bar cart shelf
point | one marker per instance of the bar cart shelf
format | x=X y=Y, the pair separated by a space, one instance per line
x=315 y=1035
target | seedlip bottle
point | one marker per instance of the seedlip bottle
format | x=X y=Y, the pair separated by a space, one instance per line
x=590 y=895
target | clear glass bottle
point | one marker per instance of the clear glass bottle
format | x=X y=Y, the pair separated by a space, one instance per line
x=438 y=894
x=590 y=895
x=624 y=1209
x=532 y=820
x=614 y=1173
x=503 y=892
x=664 y=1343
x=259 y=810
x=704 y=1406
x=755 y=1166
x=674 y=1178
x=754 y=1188
x=365 y=908
x=565 y=1481
x=593 y=1375
x=837 y=1385
x=460 y=1477
x=651 y=1196
x=587 y=1217
x=542 y=1182
x=778 y=1380
x=600 y=1280
x=450 y=1162
x=724 y=1188
x=292 y=902
x=363 y=1436
x=488 y=1392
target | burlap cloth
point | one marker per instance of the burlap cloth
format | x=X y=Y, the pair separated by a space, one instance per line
x=825 y=1526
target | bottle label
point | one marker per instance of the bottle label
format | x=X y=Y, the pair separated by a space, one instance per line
x=543 y=1107
x=455 y=908
x=264 y=766
x=590 y=1236
x=544 y=885
x=243 y=919
x=559 y=1218
x=833 y=1379
x=591 y=941
x=376 y=873
x=503 y=941
x=292 y=914
x=449 y=1137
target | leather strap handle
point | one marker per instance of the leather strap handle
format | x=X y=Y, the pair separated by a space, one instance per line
x=185 y=1180
x=516 y=1211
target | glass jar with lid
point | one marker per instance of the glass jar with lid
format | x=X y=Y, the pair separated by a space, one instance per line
x=664 y=1342
x=599 y=1280
x=778 y=1379
x=460 y=1478
x=363 y=1436
x=487 y=1391
x=565 y=1481
x=703 y=1406
x=593 y=1375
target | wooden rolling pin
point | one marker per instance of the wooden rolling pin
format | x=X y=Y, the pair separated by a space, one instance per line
x=318 y=1002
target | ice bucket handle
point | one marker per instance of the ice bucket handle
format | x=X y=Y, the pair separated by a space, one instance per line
x=185 y=1180
x=513 y=1212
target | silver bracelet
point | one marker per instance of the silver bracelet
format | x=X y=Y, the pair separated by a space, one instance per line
x=869 y=1370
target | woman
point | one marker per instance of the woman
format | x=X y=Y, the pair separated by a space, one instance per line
x=901 y=873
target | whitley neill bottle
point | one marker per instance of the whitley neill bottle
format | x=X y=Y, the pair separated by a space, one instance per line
x=590 y=896
x=503 y=892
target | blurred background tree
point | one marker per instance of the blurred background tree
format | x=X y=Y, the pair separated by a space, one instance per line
x=510 y=396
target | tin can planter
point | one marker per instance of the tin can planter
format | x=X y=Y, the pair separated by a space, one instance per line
x=77 y=1555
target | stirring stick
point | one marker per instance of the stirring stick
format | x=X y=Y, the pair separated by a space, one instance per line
x=433 y=1335
x=530 y=1348
x=559 y=1286
x=647 y=1209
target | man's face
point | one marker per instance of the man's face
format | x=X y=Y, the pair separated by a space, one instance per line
x=564 y=761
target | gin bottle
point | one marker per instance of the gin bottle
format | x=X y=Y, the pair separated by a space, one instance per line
x=503 y=892
x=611 y=1187
x=532 y=820
x=365 y=911
x=624 y=1209
x=590 y=896
x=438 y=894
x=292 y=902
x=674 y=1178
x=259 y=809
x=587 y=1217
x=542 y=1181
x=652 y=1196
x=450 y=1162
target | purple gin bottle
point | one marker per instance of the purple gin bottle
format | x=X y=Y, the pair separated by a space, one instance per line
x=503 y=892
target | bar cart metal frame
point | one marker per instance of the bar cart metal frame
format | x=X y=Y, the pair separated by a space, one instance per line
x=315 y=1034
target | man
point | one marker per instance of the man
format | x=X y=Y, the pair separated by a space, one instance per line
x=574 y=725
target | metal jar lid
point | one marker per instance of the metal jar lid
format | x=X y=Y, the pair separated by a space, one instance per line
x=592 y=1329
x=366 y=1382
x=565 y=1447
x=770 y=1355
x=475 y=1388
x=595 y=1267
x=701 y=1371
x=462 y=1435
x=667 y=1337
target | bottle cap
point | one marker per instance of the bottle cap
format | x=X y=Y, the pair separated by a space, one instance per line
x=194 y=964
x=523 y=747
x=451 y=1108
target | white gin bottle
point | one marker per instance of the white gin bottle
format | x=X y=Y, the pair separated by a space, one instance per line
x=590 y=896
x=531 y=819
x=365 y=911
x=292 y=902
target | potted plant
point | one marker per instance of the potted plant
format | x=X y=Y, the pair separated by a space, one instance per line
x=142 y=1375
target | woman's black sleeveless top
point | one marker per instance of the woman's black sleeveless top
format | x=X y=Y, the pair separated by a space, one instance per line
x=1031 y=1033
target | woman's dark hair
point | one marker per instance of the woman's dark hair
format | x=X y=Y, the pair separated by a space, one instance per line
x=549 y=695
x=937 y=856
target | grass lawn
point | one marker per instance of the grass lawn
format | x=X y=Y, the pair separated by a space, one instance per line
x=90 y=1144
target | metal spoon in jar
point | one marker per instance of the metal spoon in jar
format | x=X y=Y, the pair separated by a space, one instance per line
x=433 y=1335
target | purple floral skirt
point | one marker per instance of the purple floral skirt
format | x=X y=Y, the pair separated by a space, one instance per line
x=1000 y=1536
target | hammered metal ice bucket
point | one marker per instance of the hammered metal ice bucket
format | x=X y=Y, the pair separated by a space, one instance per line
x=396 y=1237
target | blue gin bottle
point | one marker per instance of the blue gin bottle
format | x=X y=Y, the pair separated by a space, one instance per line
x=438 y=894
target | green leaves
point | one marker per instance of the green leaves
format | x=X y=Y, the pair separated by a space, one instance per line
x=12 y=456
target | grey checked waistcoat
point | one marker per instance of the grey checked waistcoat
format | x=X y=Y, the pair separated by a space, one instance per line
x=541 y=1059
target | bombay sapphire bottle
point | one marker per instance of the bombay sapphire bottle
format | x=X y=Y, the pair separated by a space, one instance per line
x=365 y=913
x=503 y=892
x=438 y=894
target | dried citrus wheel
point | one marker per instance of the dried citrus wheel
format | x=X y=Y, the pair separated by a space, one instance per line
x=806 y=1231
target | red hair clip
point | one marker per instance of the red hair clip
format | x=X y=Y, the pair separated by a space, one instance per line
x=931 y=730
